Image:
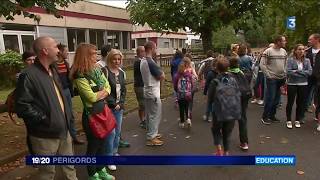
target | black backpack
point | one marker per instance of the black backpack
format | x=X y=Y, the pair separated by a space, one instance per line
x=243 y=84
x=227 y=102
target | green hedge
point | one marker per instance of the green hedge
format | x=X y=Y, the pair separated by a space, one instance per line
x=10 y=65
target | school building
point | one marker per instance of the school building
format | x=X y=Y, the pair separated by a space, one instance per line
x=166 y=43
x=82 y=21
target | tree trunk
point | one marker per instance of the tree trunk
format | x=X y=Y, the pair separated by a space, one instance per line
x=206 y=36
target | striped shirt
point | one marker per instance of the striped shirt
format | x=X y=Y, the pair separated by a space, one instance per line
x=273 y=63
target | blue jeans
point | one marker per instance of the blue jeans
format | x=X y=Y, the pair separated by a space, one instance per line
x=272 y=97
x=114 y=138
x=73 y=131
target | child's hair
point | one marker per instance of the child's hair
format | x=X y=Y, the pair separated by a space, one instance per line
x=185 y=63
x=234 y=62
x=222 y=65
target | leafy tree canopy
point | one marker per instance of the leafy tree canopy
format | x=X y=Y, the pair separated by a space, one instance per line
x=201 y=16
x=10 y=8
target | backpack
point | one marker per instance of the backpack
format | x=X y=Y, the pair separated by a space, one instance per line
x=227 y=102
x=207 y=67
x=243 y=84
x=184 y=88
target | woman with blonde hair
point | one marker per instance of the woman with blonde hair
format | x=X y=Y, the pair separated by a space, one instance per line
x=116 y=99
x=92 y=86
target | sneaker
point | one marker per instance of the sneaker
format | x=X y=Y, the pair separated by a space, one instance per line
x=112 y=167
x=124 y=144
x=104 y=175
x=244 y=146
x=254 y=101
x=159 y=136
x=94 y=177
x=302 y=121
x=181 y=125
x=289 y=124
x=260 y=102
x=205 y=118
x=275 y=120
x=154 y=142
x=189 y=123
x=297 y=124
x=143 y=124
x=219 y=153
x=209 y=120
x=318 y=127
x=310 y=109
x=266 y=121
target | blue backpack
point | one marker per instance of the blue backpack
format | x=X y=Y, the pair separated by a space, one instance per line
x=227 y=102
x=184 y=88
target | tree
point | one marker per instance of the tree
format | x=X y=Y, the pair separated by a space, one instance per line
x=307 y=18
x=224 y=37
x=201 y=16
x=10 y=8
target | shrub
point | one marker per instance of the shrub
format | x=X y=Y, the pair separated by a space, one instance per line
x=10 y=65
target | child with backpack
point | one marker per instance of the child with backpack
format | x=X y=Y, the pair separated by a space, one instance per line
x=183 y=85
x=246 y=94
x=225 y=95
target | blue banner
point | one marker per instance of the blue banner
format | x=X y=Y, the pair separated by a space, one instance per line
x=160 y=160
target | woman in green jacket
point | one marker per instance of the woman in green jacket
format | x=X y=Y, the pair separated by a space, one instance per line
x=86 y=78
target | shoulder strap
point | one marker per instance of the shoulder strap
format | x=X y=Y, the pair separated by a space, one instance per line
x=105 y=72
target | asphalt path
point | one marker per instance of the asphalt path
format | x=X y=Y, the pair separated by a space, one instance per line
x=274 y=139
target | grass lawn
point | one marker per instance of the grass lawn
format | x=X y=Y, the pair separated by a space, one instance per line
x=13 y=136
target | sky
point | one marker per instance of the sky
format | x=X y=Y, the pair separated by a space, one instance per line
x=115 y=3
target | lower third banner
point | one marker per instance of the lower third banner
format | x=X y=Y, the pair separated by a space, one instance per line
x=161 y=160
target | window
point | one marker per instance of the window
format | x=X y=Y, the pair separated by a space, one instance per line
x=141 y=41
x=180 y=43
x=172 y=43
x=100 y=39
x=81 y=37
x=11 y=42
x=93 y=37
x=133 y=43
x=176 y=43
x=96 y=38
x=27 y=41
x=75 y=37
x=113 y=39
x=165 y=44
x=71 y=33
x=125 y=40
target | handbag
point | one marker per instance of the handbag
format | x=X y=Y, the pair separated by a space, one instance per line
x=101 y=119
x=101 y=123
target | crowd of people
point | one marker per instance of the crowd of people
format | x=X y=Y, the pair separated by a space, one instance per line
x=44 y=91
x=231 y=81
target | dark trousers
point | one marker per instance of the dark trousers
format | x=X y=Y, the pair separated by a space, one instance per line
x=243 y=130
x=259 y=85
x=73 y=131
x=297 y=93
x=272 y=98
x=95 y=146
x=317 y=101
x=183 y=108
x=221 y=132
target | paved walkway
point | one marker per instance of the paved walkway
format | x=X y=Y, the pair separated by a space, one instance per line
x=275 y=139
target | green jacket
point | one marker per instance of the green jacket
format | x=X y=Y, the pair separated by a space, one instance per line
x=84 y=87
